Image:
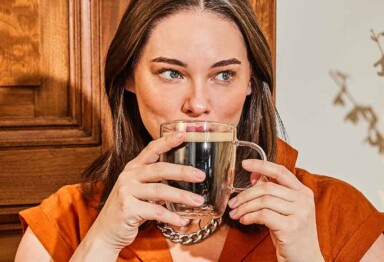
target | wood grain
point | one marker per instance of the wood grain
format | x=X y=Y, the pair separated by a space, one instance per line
x=48 y=137
x=9 y=240
x=20 y=53
x=50 y=129
x=65 y=109
x=28 y=176
x=266 y=13
x=16 y=102
x=52 y=95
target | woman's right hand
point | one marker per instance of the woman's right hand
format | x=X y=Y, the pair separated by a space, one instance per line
x=133 y=198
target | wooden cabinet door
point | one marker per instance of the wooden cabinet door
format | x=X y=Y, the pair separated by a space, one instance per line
x=50 y=102
x=53 y=117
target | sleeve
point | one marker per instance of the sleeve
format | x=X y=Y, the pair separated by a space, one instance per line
x=348 y=224
x=358 y=226
x=55 y=223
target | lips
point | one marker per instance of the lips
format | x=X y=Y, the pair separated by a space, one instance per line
x=199 y=126
x=197 y=129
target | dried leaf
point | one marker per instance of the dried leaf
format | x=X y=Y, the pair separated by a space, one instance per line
x=380 y=63
x=370 y=140
x=381 y=150
x=377 y=140
x=374 y=38
x=370 y=116
x=353 y=116
x=339 y=101
x=342 y=75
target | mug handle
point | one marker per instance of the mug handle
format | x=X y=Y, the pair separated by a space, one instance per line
x=263 y=157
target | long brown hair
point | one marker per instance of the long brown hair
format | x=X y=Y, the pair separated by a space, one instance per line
x=258 y=118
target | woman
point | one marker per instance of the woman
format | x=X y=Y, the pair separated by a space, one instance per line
x=205 y=60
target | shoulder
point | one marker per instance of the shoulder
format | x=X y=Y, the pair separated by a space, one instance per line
x=61 y=220
x=64 y=202
x=66 y=196
x=348 y=224
x=71 y=197
x=60 y=201
x=334 y=193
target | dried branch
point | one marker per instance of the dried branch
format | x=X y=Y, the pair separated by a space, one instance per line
x=380 y=62
x=359 y=112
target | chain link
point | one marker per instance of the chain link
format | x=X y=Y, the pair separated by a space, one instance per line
x=192 y=238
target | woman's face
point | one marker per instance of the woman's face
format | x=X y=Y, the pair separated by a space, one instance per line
x=193 y=67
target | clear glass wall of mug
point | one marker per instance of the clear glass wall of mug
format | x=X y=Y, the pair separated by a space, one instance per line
x=210 y=147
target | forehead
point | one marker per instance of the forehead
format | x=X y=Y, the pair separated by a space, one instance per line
x=190 y=34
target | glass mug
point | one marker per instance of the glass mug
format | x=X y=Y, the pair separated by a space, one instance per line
x=210 y=147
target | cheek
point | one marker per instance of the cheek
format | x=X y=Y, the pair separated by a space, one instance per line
x=155 y=109
x=151 y=100
x=230 y=107
x=152 y=104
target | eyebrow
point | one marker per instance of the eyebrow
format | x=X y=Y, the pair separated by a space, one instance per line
x=169 y=61
x=182 y=64
x=226 y=62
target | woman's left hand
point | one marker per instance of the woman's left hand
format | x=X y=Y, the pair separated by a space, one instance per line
x=285 y=206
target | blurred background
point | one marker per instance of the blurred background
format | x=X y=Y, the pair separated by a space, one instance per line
x=330 y=88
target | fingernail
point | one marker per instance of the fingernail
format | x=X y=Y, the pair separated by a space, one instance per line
x=199 y=174
x=233 y=212
x=247 y=162
x=232 y=201
x=197 y=199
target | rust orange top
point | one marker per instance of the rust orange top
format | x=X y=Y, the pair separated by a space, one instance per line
x=347 y=223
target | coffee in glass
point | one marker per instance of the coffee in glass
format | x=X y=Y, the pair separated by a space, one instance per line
x=210 y=147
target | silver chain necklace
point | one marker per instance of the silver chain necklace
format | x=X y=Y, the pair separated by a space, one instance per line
x=191 y=238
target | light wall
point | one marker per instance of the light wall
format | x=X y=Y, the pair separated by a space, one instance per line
x=315 y=38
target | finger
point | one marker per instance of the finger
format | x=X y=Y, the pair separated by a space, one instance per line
x=155 y=148
x=151 y=211
x=265 y=202
x=274 y=221
x=255 y=178
x=162 y=192
x=168 y=171
x=271 y=170
x=259 y=190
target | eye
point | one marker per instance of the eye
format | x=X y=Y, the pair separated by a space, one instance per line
x=170 y=74
x=225 y=76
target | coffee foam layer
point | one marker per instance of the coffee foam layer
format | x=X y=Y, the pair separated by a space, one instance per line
x=207 y=137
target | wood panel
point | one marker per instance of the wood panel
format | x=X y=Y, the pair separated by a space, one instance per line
x=53 y=117
x=50 y=103
x=9 y=240
x=65 y=108
x=40 y=171
x=266 y=13
x=16 y=102
x=20 y=54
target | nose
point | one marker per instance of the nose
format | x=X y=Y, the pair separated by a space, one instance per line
x=197 y=101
